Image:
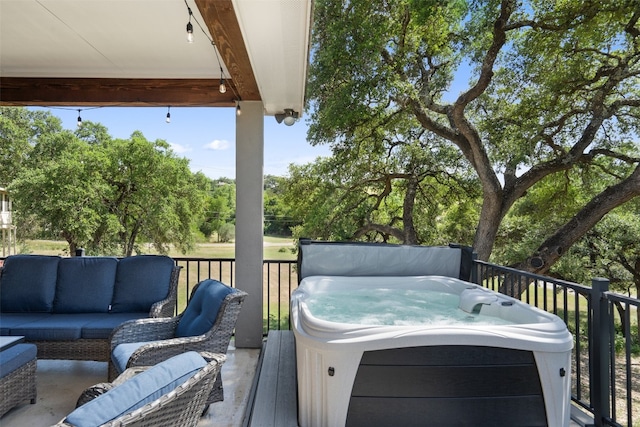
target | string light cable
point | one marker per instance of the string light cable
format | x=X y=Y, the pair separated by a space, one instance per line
x=223 y=86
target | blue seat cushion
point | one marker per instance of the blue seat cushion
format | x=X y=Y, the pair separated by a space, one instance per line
x=141 y=281
x=202 y=310
x=9 y=321
x=15 y=357
x=140 y=390
x=104 y=324
x=57 y=327
x=28 y=283
x=85 y=285
x=121 y=354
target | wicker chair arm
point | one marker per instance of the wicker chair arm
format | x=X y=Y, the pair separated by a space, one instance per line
x=167 y=307
x=92 y=392
x=149 y=329
x=158 y=351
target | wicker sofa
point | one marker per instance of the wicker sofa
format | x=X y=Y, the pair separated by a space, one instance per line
x=68 y=307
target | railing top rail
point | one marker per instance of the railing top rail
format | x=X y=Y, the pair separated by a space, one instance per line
x=546 y=279
x=616 y=297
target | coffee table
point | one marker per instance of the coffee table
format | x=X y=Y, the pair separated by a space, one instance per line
x=9 y=341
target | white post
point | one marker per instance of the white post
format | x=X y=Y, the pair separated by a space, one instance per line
x=249 y=221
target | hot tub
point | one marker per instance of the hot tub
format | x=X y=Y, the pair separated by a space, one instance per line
x=426 y=350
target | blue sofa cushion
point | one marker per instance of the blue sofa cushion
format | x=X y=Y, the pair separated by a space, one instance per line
x=85 y=285
x=141 y=281
x=102 y=326
x=202 y=310
x=15 y=357
x=121 y=354
x=57 y=327
x=140 y=390
x=10 y=321
x=28 y=283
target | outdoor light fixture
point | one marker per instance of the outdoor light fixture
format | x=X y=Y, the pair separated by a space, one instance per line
x=238 y=110
x=189 y=26
x=223 y=87
x=289 y=117
x=189 y=32
x=79 y=119
x=168 y=119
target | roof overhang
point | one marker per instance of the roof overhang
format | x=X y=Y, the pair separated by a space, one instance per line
x=135 y=53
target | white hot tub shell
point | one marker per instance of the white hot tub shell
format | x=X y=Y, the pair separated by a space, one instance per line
x=405 y=374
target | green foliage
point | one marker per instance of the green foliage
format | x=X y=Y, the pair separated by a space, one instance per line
x=219 y=208
x=277 y=214
x=226 y=232
x=103 y=194
x=547 y=121
x=19 y=130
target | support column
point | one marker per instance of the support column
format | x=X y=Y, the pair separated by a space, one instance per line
x=249 y=221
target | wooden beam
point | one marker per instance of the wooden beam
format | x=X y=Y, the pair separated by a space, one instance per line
x=220 y=18
x=16 y=91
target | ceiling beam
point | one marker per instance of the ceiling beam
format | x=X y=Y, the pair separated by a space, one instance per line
x=98 y=92
x=220 y=18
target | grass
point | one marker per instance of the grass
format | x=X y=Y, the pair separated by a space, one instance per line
x=275 y=248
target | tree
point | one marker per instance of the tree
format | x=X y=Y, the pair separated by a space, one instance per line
x=108 y=195
x=552 y=86
x=19 y=130
x=61 y=186
x=219 y=208
x=610 y=249
x=154 y=196
x=277 y=214
x=393 y=190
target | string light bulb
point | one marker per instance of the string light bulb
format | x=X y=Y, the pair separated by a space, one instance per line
x=189 y=27
x=168 y=119
x=238 y=110
x=223 y=87
x=79 y=119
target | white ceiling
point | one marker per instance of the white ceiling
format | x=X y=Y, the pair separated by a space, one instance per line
x=147 y=39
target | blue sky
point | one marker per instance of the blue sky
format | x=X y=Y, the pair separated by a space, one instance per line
x=206 y=136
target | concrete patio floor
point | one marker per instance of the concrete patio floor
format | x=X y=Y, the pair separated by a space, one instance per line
x=60 y=382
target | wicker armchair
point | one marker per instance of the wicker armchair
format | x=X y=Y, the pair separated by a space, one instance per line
x=146 y=342
x=181 y=407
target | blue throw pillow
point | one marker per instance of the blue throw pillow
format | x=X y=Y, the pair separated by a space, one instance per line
x=202 y=310
x=141 y=281
x=28 y=283
x=85 y=285
x=140 y=390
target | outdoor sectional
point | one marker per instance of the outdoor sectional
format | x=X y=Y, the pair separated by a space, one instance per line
x=68 y=307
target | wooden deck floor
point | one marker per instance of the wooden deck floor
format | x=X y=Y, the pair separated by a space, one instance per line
x=275 y=399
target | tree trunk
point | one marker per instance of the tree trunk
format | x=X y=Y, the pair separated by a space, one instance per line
x=556 y=245
x=410 y=235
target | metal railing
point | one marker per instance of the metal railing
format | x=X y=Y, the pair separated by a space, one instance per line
x=605 y=379
x=280 y=278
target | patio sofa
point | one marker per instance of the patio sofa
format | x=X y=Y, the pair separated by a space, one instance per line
x=68 y=307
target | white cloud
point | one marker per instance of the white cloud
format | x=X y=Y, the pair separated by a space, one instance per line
x=179 y=149
x=217 y=145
